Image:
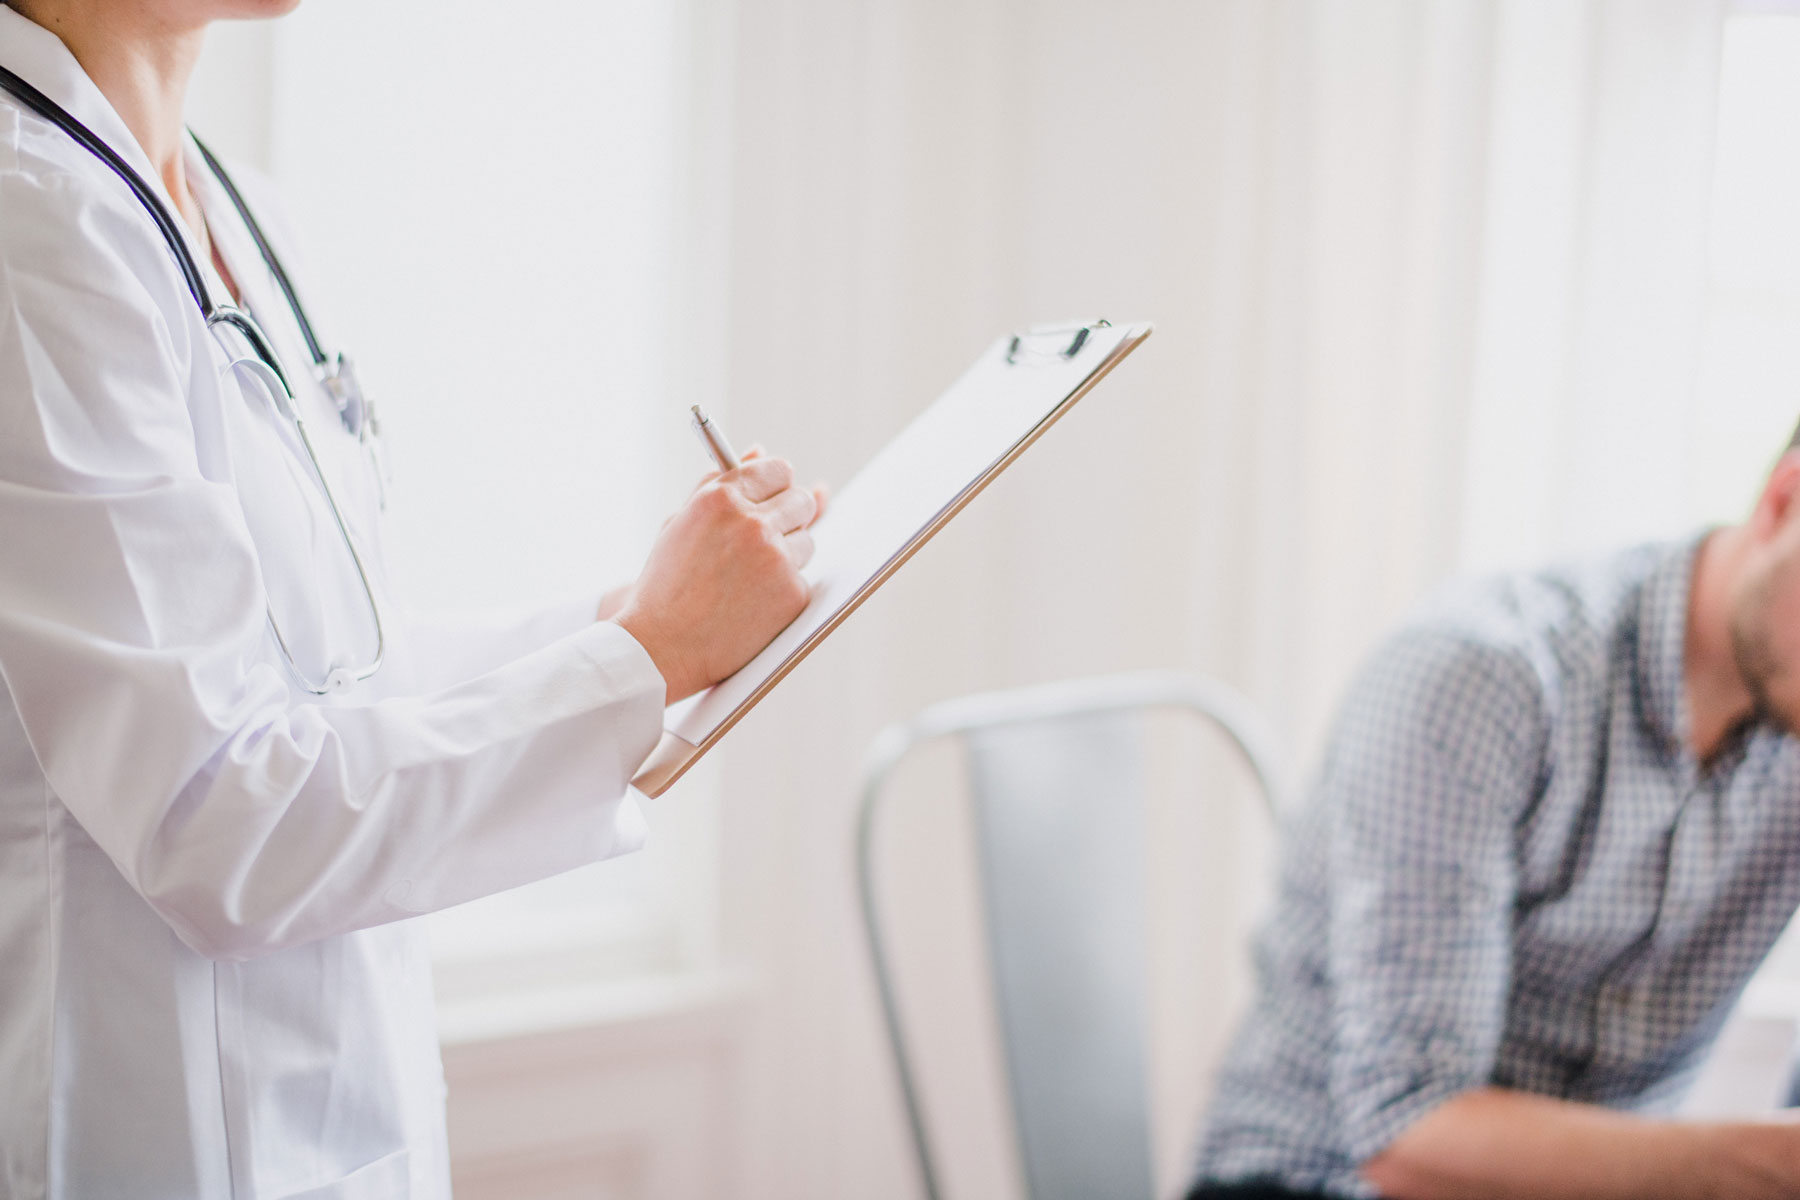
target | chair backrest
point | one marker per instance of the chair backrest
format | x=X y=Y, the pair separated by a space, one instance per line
x=1057 y=781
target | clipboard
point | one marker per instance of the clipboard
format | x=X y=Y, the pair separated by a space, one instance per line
x=911 y=489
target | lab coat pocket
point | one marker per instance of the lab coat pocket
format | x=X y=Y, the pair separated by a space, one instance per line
x=386 y=1178
x=316 y=1091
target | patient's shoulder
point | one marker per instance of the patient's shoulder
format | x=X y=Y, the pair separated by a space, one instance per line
x=1486 y=668
x=1562 y=627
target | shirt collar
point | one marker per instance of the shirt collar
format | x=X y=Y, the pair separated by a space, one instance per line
x=1662 y=645
x=41 y=59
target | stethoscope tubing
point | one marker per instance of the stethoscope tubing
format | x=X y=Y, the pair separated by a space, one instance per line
x=263 y=246
x=54 y=113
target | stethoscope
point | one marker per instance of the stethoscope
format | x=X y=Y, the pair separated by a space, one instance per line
x=333 y=371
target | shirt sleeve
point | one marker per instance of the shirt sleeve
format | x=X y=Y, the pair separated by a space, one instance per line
x=1430 y=771
x=133 y=643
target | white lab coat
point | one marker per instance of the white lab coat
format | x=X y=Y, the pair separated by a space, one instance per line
x=207 y=988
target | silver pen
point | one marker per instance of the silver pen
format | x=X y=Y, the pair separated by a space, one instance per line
x=716 y=443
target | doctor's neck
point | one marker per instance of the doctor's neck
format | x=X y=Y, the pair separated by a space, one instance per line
x=140 y=56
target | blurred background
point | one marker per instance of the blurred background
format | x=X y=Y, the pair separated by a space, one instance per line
x=1439 y=286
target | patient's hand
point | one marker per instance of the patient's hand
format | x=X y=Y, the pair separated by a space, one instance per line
x=1496 y=1144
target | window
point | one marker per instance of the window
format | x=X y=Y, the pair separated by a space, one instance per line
x=486 y=218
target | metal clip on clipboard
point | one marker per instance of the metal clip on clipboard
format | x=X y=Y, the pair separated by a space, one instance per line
x=1043 y=344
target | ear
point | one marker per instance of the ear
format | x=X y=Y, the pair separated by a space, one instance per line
x=1779 y=504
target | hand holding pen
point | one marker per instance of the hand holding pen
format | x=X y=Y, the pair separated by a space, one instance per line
x=723 y=577
x=719 y=446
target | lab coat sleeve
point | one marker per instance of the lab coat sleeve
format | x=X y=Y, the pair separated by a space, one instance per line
x=133 y=642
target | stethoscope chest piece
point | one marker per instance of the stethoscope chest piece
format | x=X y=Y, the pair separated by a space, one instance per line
x=338 y=377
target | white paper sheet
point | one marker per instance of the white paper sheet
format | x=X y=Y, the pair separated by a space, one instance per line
x=946 y=450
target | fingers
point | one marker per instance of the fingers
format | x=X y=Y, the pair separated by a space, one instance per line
x=762 y=478
x=821 y=497
x=799 y=547
x=789 y=510
x=752 y=453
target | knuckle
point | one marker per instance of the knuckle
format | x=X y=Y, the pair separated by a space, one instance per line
x=741 y=540
x=715 y=499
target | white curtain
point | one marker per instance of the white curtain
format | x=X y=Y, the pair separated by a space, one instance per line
x=1426 y=281
x=1594 y=264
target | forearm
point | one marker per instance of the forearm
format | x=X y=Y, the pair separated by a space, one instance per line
x=1495 y=1144
x=259 y=824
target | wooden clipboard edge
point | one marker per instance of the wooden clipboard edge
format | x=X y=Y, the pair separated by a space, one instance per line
x=667 y=763
x=674 y=755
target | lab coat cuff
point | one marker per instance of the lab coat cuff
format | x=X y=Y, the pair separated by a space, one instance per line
x=630 y=675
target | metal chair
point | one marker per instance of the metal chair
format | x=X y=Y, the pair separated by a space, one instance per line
x=1061 y=893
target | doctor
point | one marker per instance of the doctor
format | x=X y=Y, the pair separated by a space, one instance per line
x=229 y=768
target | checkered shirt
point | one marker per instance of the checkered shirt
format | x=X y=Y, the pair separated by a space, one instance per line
x=1510 y=872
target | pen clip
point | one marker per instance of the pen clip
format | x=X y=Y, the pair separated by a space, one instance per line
x=1050 y=343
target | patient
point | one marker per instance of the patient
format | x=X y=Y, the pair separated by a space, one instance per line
x=1556 y=830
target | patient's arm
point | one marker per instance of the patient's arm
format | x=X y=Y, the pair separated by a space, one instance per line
x=1494 y=1144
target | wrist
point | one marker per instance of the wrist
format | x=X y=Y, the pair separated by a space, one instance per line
x=614 y=602
x=677 y=677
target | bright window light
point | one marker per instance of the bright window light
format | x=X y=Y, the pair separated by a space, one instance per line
x=488 y=215
x=1749 y=387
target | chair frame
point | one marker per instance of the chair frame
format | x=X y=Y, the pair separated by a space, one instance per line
x=1227 y=710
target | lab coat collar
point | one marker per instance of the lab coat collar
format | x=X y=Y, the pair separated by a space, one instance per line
x=41 y=59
